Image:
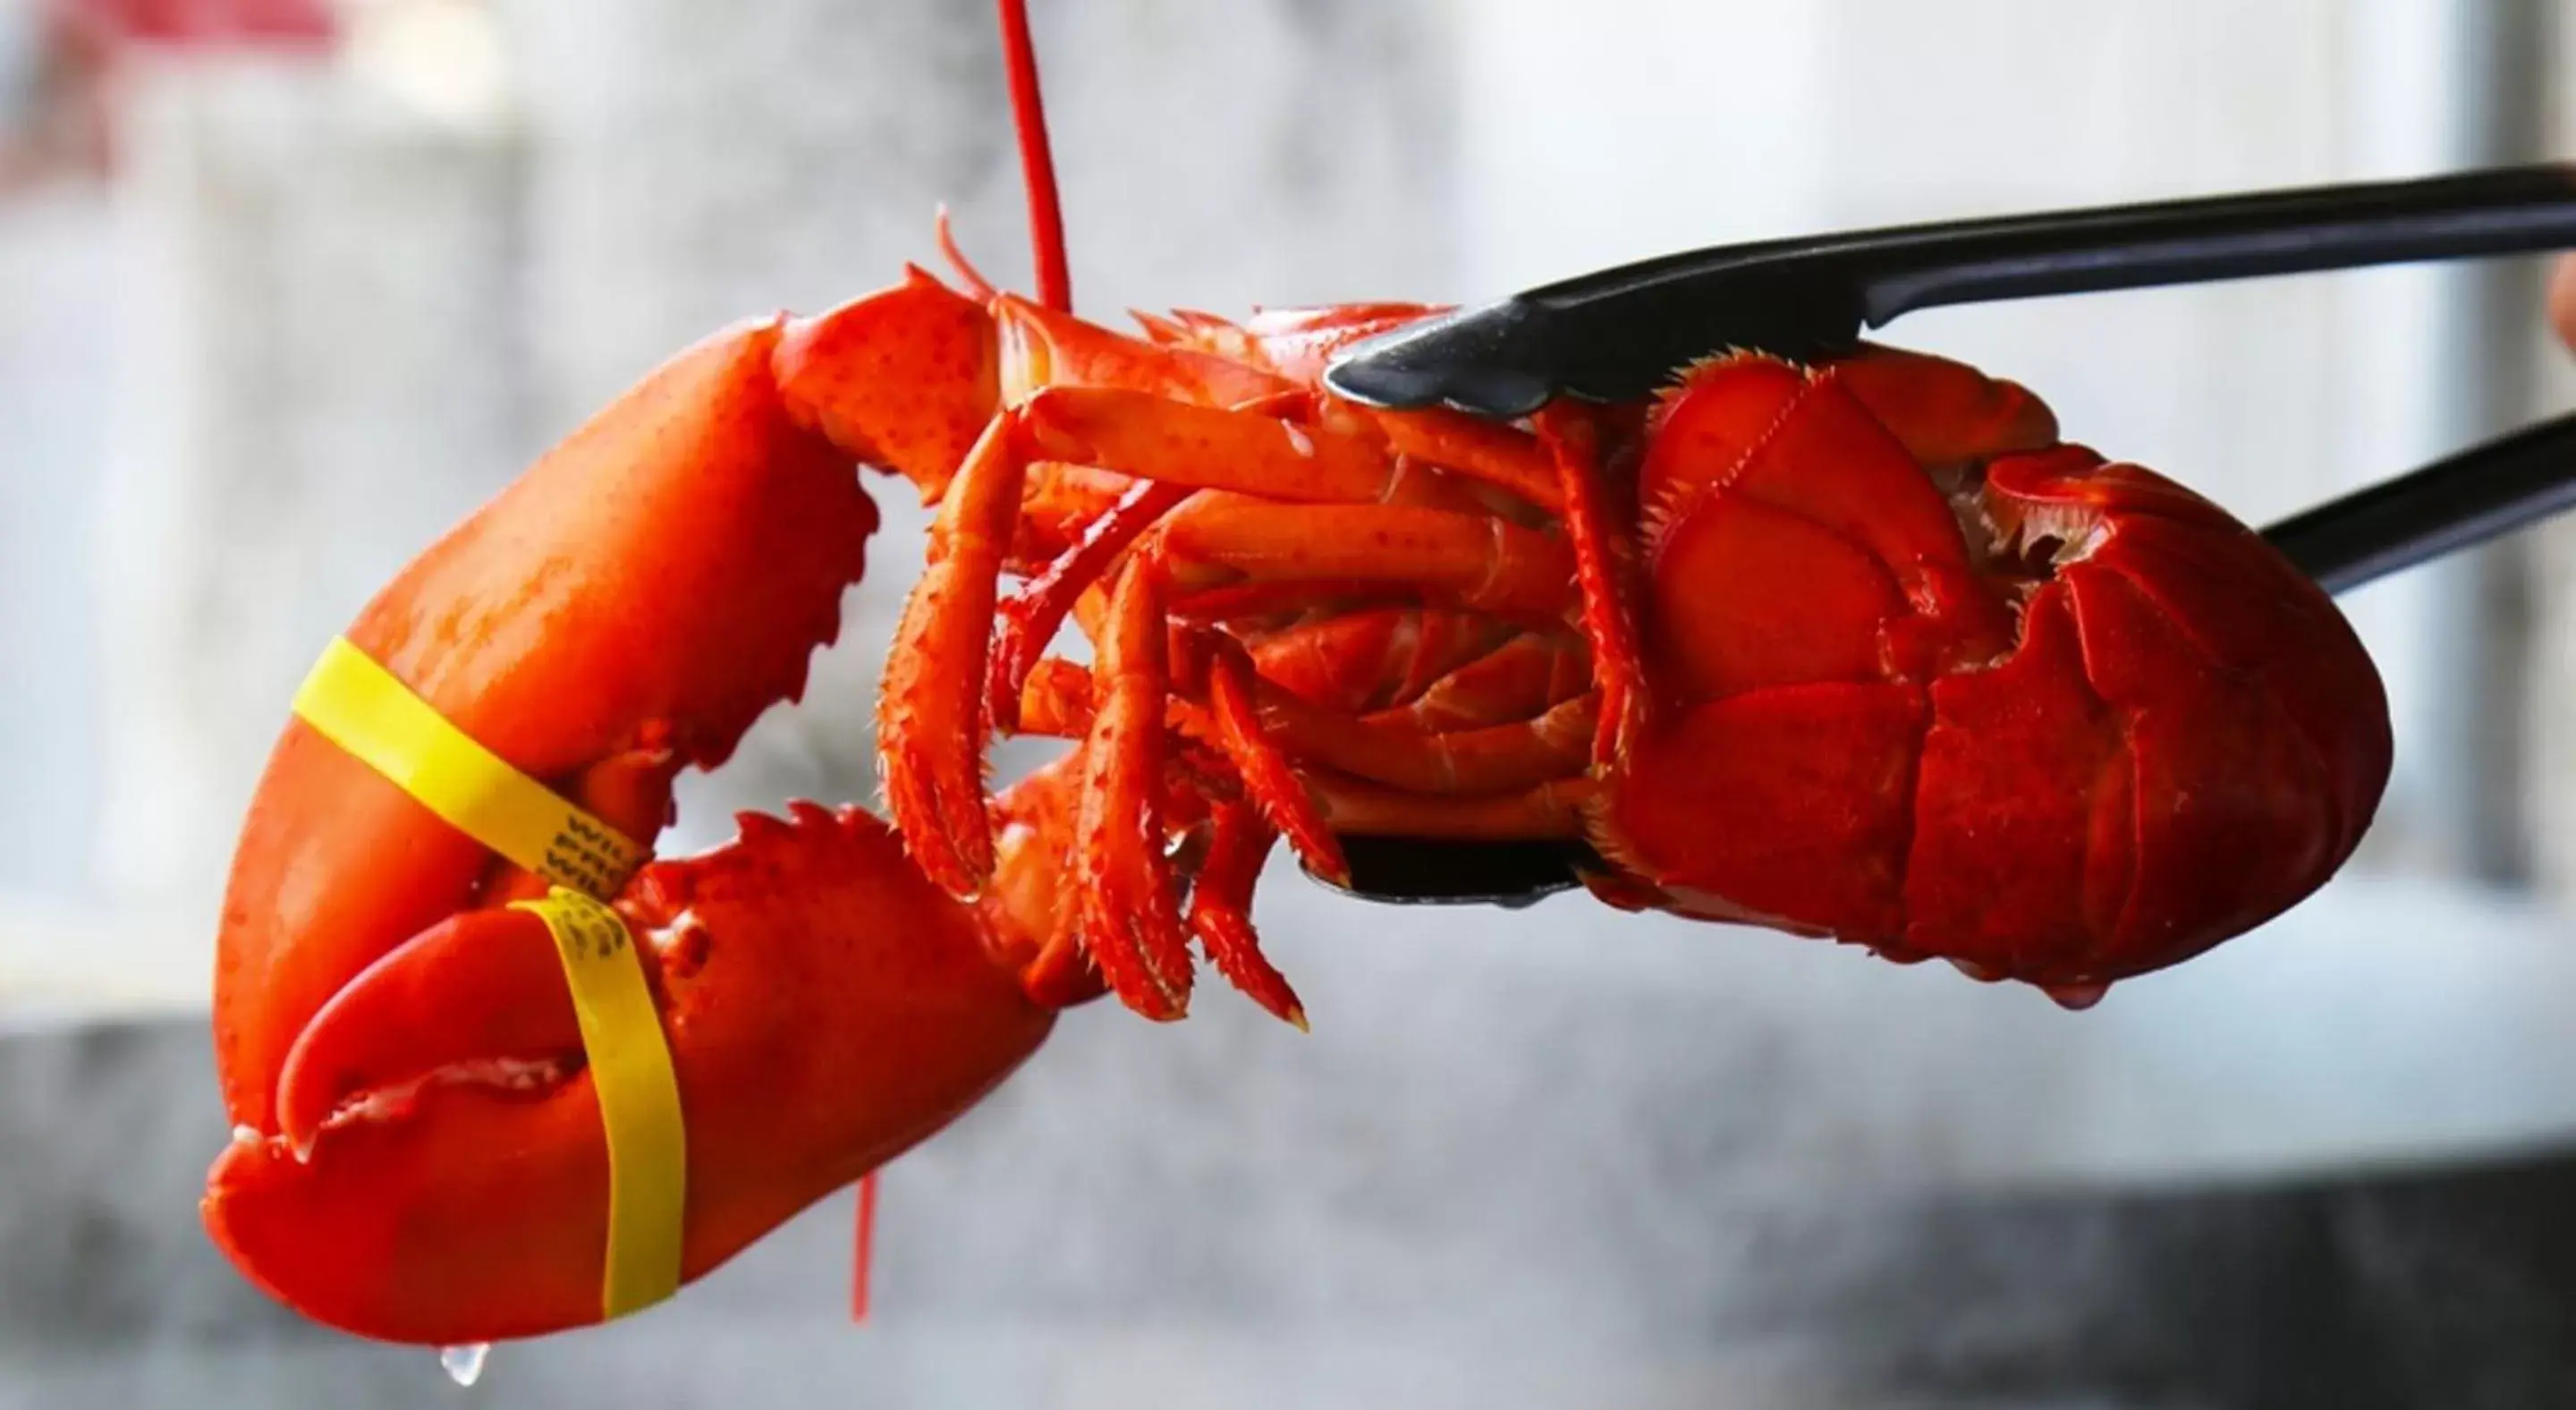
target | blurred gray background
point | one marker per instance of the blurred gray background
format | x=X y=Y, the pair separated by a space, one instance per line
x=274 y=314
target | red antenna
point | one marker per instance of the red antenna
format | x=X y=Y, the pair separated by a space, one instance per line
x=1037 y=165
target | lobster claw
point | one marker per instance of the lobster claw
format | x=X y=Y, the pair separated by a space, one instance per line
x=440 y=1173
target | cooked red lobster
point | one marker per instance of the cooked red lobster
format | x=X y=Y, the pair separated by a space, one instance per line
x=1858 y=649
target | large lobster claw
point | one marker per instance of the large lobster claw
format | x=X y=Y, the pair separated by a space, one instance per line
x=420 y=1152
x=826 y=1008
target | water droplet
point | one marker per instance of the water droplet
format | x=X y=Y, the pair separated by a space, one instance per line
x=1974 y=971
x=464 y=1364
x=246 y=1135
x=2076 y=997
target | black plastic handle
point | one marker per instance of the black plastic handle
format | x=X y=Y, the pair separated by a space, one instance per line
x=2480 y=494
x=2476 y=214
x=1620 y=333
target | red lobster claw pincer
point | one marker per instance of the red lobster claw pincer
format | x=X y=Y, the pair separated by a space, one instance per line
x=473 y=1102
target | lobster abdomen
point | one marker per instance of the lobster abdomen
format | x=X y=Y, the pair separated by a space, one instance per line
x=1978 y=696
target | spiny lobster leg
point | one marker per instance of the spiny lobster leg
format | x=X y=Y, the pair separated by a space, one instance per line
x=1266 y=773
x=1608 y=625
x=1130 y=919
x=1057 y=703
x=930 y=728
x=931 y=717
x=1221 y=910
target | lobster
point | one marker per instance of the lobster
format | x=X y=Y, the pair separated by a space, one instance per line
x=1856 y=649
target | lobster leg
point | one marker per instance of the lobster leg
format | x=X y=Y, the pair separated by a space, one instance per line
x=1528 y=673
x=1456 y=560
x=929 y=724
x=1266 y=772
x=1030 y=619
x=1496 y=758
x=1060 y=703
x=932 y=722
x=1056 y=702
x=1221 y=911
x=1608 y=626
x=1502 y=456
x=1130 y=920
x=931 y=717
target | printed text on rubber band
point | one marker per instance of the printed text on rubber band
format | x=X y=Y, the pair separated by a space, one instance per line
x=367 y=710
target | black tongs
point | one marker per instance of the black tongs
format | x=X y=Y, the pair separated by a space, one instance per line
x=1621 y=333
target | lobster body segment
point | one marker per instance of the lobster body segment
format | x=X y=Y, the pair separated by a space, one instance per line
x=2066 y=723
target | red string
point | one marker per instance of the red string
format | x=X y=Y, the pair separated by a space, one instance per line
x=867 y=1236
x=1037 y=165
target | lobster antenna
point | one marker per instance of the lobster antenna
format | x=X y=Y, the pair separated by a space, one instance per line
x=1037 y=164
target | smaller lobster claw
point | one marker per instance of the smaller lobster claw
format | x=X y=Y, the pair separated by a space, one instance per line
x=484 y=987
x=440 y=1173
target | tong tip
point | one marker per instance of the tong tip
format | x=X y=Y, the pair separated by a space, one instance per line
x=1465 y=360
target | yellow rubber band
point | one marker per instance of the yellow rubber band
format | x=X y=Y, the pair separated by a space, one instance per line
x=367 y=710
x=639 y=1098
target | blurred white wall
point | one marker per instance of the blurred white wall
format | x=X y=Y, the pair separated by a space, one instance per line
x=55 y=360
x=317 y=373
